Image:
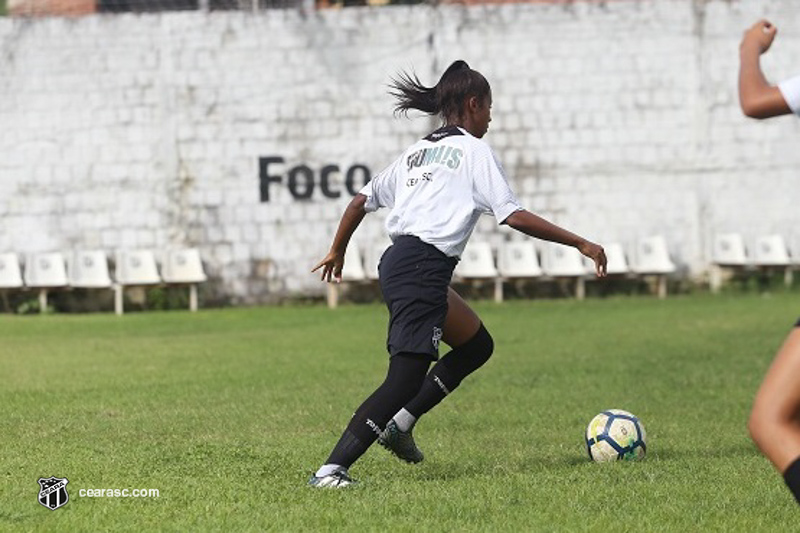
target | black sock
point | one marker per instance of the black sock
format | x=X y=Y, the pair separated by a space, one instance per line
x=448 y=373
x=403 y=381
x=792 y=478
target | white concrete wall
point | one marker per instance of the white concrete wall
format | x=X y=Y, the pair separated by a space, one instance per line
x=617 y=120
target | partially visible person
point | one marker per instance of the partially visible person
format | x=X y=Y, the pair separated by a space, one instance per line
x=758 y=98
x=775 y=418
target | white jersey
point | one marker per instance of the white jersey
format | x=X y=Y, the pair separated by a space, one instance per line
x=439 y=187
x=790 y=89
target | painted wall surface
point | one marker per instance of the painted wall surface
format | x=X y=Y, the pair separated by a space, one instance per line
x=245 y=134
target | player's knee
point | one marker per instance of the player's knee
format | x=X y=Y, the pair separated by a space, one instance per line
x=761 y=422
x=755 y=426
x=484 y=345
x=476 y=351
x=467 y=358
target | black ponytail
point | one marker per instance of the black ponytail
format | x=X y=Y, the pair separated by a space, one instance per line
x=446 y=98
x=411 y=94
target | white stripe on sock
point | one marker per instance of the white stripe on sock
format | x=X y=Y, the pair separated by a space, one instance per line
x=404 y=420
x=441 y=385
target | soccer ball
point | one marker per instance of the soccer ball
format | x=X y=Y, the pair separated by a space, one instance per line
x=615 y=434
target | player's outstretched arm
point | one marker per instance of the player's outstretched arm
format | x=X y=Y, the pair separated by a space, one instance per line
x=536 y=226
x=333 y=263
x=757 y=97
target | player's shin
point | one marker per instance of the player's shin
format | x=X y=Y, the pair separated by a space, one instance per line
x=405 y=376
x=450 y=371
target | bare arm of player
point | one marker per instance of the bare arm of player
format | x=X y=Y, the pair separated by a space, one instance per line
x=536 y=226
x=333 y=263
x=757 y=97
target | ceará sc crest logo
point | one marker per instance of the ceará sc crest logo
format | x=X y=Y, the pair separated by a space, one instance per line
x=53 y=492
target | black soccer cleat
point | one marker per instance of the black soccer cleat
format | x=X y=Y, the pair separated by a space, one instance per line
x=400 y=443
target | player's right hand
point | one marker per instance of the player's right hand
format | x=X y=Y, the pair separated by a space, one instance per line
x=760 y=35
x=331 y=267
x=596 y=253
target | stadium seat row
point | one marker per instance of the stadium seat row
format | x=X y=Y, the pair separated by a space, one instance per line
x=520 y=260
x=730 y=253
x=88 y=269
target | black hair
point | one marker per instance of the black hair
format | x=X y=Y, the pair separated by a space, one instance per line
x=446 y=98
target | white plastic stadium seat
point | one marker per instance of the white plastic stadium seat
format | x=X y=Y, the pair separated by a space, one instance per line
x=353 y=265
x=184 y=267
x=566 y=262
x=134 y=268
x=353 y=271
x=771 y=251
x=728 y=252
x=88 y=269
x=517 y=261
x=45 y=271
x=477 y=263
x=10 y=273
x=652 y=258
x=617 y=262
x=563 y=261
x=372 y=257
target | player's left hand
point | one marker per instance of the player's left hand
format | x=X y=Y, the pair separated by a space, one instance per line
x=596 y=253
x=331 y=267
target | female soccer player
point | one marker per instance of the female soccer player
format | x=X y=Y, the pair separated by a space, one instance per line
x=436 y=191
x=775 y=419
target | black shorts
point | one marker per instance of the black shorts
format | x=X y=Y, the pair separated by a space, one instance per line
x=414 y=278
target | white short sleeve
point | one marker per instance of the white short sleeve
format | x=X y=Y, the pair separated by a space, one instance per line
x=380 y=190
x=790 y=89
x=492 y=192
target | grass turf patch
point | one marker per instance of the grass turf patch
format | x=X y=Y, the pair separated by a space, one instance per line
x=227 y=412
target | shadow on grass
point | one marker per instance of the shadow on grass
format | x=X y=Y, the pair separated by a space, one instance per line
x=448 y=470
x=674 y=453
x=670 y=453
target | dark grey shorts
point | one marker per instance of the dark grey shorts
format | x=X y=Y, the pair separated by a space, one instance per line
x=414 y=278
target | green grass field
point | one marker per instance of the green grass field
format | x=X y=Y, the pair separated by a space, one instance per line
x=227 y=412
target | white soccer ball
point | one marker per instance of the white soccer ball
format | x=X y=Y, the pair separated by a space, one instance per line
x=615 y=434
